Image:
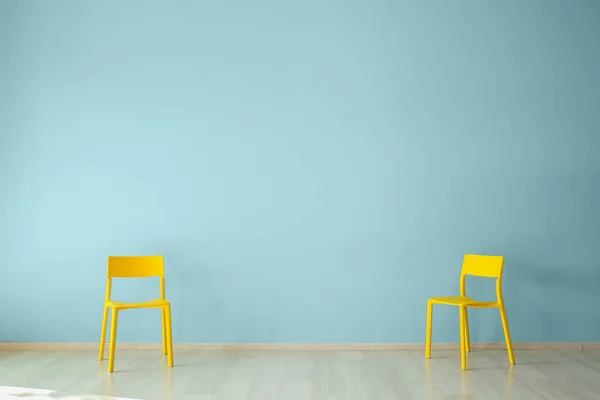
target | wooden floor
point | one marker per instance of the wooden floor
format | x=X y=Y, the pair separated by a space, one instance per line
x=254 y=375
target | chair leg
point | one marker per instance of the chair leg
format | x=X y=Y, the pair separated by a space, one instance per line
x=467 y=333
x=113 y=340
x=429 y=329
x=103 y=337
x=169 y=335
x=463 y=353
x=509 y=347
x=164 y=331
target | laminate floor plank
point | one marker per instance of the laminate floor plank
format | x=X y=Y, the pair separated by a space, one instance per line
x=300 y=375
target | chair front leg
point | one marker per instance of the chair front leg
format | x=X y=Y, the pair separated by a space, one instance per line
x=103 y=337
x=463 y=353
x=167 y=309
x=509 y=347
x=429 y=329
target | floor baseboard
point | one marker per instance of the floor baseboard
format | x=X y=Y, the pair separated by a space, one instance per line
x=191 y=347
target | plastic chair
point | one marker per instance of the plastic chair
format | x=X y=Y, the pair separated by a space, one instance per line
x=474 y=265
x=136 y=267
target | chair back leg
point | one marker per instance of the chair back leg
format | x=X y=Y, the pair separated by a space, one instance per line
x=467 y=333
x=113 y=340
x=164 y=331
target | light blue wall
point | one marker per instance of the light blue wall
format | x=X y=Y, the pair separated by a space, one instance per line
x=312 y=171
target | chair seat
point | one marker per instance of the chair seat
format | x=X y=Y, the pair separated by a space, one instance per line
x=462 y=301
x=144 y=304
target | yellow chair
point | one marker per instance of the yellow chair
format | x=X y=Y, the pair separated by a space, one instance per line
x=474 y=265
x=136 y=267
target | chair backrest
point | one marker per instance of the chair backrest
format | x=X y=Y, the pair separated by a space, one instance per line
x=484 y=266
x=135 y=266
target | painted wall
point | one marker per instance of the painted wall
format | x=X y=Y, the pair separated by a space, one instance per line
x=312 y=171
